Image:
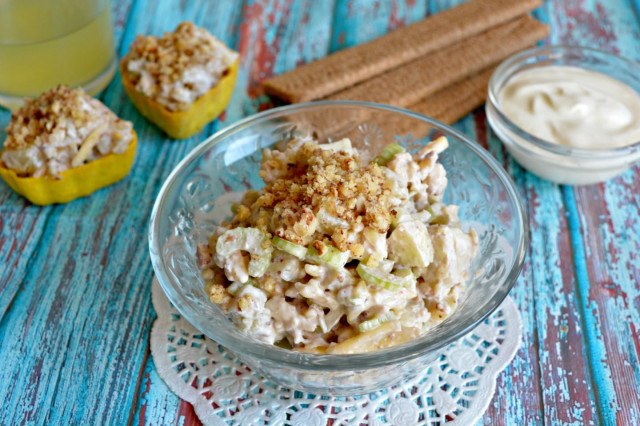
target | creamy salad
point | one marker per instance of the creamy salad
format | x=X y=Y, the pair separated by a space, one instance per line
x=336 y=256
x=61 y=129
x=179 y=67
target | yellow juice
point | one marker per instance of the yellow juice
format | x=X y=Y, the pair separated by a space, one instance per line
x=44 y=43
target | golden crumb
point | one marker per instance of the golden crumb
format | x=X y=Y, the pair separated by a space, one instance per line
x=243 y=212
x=218 y=294
x=49 y=111
x=267 y=283
x=320 y=247
x=303 y=184
x=244 y=302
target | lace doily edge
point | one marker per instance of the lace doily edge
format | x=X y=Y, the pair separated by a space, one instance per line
x=513 y=339
x=470 y=416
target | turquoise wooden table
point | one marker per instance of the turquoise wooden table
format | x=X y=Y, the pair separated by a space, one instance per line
x=75 y=279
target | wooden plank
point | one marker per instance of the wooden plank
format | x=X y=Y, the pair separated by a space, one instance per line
x=75 y=339
x=269 y=40
x=606 y=217
x=268 y=35
x=156 y=404
x=267 y=27
x=609 y=270
x=79 y=321
x=120 y=10
x=21 y=226
x=552 y=342
x=612 y=374
x=359 y=21
x=550 y=367
x=604 y=222
x=522 y=376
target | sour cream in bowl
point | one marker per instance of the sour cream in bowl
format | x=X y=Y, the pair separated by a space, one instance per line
x=568 y=114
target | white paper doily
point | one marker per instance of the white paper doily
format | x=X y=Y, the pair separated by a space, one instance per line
x=454 y=390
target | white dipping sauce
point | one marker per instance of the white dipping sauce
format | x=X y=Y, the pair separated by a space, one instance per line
x=573 y=106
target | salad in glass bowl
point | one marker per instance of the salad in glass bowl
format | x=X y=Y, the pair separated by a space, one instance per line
x=222 y=187
x=337 y=256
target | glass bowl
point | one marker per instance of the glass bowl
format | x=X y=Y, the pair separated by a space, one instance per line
x=560 y=163
x=198 y=193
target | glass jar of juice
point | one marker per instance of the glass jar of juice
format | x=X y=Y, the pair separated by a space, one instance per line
x=44 y=43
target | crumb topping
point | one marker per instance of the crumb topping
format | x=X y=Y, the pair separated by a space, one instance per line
x=178 y=67
x=311 y=261
x=306 y=185
x=60 y=129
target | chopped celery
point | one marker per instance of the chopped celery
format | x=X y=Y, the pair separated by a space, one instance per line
x=388 y=153
x=383 y=279
x=332 y=257
x=288 y=247
x=251 y=240
x=410 y=244
x=234 y=287
x=375 y=322
x=408 y=274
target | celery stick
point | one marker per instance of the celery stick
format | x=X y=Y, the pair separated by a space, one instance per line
x=388 y=153
x=289 y=247
x=384 y=279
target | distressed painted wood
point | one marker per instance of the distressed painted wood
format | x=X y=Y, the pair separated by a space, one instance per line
x=75 y=307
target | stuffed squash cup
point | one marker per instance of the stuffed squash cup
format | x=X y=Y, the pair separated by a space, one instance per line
x=64 y=145
x=183 y=124
x=180 y=81
x=74 y=183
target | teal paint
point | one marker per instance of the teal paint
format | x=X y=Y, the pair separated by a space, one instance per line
x=591 y=317
x=74 y=341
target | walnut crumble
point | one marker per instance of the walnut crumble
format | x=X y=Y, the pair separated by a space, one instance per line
x=309 y=190
x=61 y=129
x=178 y=67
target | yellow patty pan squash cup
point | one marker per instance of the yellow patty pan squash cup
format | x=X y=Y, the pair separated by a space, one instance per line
x=183 y=124
x=73 y=183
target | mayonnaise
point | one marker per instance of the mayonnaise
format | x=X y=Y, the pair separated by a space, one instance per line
x=573 y=106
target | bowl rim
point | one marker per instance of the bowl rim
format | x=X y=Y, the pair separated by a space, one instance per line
x=551 y=147
x=333 y=362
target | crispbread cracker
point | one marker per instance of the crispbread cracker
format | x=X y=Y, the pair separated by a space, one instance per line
x=454 y=102
x=427 y=75
x=448 y=106
x=350 y=66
